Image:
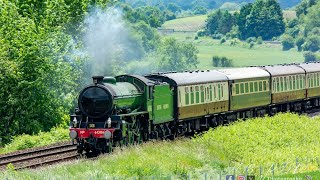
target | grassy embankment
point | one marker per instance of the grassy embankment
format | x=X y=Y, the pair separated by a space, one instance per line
x=42 y=139
x=258 y=142
x=240 y=53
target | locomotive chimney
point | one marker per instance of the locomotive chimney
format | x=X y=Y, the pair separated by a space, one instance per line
x=97 y=79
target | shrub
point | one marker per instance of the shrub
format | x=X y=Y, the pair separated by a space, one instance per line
x=221 y=62
x=259 y=40
x=312 y=44
x=217 y=36
x=223 y=40
x=251 y=45
x=201 y=33
x=196 y=38
x=251 y=39
x=299 y=42
x=287 y=42
x=309 y=57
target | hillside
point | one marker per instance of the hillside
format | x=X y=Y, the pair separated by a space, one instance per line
x=188 y=4
x=279 y=145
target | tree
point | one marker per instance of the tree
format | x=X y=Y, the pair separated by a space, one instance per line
x=177 y=56
x=173 y=7
x=200 y=10
x=287 y=42
x=242 y=19
x=219 y=22
x=302 y=8
x=299 y=42
x=309 y=57
x=312 y=43
x=265 y=20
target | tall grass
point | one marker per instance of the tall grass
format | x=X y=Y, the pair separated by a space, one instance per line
x=256 y=142
x=26 y=141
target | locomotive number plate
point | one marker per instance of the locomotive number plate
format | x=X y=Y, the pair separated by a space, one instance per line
x=92 y=126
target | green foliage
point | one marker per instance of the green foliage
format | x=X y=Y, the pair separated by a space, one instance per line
x=287 y=42
x=230 y=6
x=312 y=43
x=299 y=42
x=173 y=7
x=265 y=19
x=251 y=39
x=41 y=139
x=259 y=40
x=254 y=143
x=302 y=8
x=150 y=15
x=221 y=62
x=176 y=56
x=198 y=10
x=223 y=40
x=309 y=57
x=219 y=22
x=38 y=82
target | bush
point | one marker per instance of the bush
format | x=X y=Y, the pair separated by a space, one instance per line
x=251 y=45
x=251 y=39
x=201 y=33
x=42 y=139
x=223 y=40
x=287 y=42
x=221 y=62
x=312 y=44
x=217 y=36
x=309 y=57
x=196 y=38
x=259 y=40
x=299 y=42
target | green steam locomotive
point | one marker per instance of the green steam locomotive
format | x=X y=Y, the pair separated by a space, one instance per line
x=126 y=109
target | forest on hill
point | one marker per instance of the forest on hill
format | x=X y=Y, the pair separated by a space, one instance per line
x=209 y=4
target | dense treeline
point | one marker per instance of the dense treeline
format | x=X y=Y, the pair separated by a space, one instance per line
x=50 y=48
x=304 y=31
x=209 y=4
x=263 y=18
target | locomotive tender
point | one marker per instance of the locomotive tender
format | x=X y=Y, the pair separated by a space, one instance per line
x=132 y=108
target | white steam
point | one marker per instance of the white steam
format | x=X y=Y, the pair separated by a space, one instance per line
x=108 y=41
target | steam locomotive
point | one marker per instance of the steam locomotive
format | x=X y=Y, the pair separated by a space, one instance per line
x=126 y=109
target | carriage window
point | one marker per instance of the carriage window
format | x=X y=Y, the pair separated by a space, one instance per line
x=281 y=84
x=187 y=98
x=202 y=93
x=215 y=92
x=241 y=88
x=256 y=86
x=260 y=85
x=219 y=91
x=293 y=82
x=251 y=86
x=197 y=88
x=290 y=83
x=237 y=89
x=246 y=88
x=210 y=92
x=265 y=85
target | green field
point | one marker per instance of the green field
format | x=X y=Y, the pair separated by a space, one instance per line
x=285 y=145
x=193 y=23
x=240 y=53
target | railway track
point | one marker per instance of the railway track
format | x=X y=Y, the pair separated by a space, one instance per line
x=39 y=157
